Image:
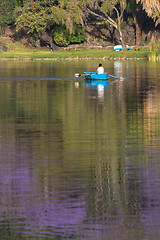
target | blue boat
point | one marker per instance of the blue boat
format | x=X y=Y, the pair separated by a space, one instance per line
x=95 y=76
x=119 y=48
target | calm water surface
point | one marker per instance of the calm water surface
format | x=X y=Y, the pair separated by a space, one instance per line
x=79 y=160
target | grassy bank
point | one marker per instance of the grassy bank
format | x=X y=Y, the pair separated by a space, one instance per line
x=19 y=51
x=154 y=55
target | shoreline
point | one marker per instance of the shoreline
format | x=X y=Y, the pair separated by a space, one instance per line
x=74 y=58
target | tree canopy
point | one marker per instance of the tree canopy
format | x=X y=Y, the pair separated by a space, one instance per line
x=152 y=8
x=66 y=20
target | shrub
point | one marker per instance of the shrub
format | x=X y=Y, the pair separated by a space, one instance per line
x=63 y=38
x=60 y=39
x=78 y=37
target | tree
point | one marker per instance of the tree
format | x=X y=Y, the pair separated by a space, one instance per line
x=31 y=19
x=140 y=9
x=6 y=13
x=152 y=8
x=135 y=10
x=38 y=16
x=110 y=11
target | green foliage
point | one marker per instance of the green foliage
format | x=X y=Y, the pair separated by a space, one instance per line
x=130 y=20
x=56 y=15
x=154 y=51
x=136 y=49
x=108 y=6
x=5 y=18
x=123 y=24
x=63 y=37
x=78 y=36
x=65 y=14
x=154 y=56
x=34 y=17
x=6 y=13
x=155 y=46
x=106 y=25
x=32 y=22
x=131 y=43
x=144 y=43
x=15 y=38
x=40 y=15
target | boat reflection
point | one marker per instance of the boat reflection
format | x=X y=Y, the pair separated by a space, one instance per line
x=99 y=85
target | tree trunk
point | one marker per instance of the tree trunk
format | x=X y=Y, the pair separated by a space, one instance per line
x=113 y=23
x=138 y=32
x=119 y=28
x=121 y=37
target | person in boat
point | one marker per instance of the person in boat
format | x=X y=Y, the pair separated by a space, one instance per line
x=100 y=69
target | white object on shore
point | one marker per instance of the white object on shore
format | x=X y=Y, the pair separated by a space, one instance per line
x=119 y=47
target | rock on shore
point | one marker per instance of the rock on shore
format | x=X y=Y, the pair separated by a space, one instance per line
x=3 y=47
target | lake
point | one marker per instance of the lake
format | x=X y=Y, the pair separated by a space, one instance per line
x=79 y=159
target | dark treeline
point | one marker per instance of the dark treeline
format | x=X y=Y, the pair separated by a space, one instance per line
x=64 y=22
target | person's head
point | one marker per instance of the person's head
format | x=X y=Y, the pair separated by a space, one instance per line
x=100 y=65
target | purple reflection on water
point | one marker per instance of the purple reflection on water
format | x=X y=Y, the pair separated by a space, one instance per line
x=145 y=174
x=41 y=205
x=32 y=210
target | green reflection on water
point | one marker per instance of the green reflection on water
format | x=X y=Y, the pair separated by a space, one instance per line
x=78 y=139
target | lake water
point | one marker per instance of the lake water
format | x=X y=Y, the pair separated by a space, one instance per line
x=79 y=160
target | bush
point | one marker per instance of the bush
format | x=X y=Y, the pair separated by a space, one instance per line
x=60 y=39
x=78 y=37
x=63 y=38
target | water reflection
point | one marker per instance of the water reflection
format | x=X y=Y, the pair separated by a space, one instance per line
x=99 y=85
x=79 y=160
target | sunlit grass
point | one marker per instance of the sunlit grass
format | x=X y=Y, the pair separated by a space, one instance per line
x=17 y=50
x=154 y=55
x=92 y=53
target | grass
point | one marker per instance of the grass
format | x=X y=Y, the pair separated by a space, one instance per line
x=155 y=55
x=19 y=51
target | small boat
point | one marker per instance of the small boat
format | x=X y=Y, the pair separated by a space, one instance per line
x=95 y=76
x=119 y=48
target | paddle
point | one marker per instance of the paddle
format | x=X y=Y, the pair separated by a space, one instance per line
x=121 y=78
